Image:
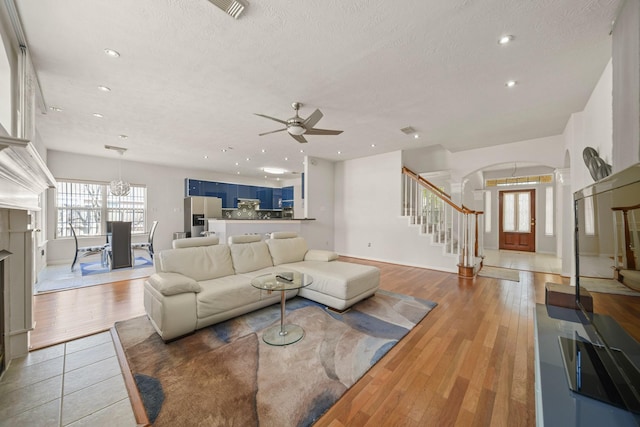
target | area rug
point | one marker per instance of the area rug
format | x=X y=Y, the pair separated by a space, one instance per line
x=89 y=268
x=500 y=273
x=607 y=286
x=55 y=278
x=226 y=375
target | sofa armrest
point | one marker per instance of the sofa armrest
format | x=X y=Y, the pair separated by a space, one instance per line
x=173 y=283
x=320 y=255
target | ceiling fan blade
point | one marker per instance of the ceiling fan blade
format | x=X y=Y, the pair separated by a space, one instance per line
x=322 y=132
x=313 y=119
x=273 y=131
x=298 y=138
x=271 y=118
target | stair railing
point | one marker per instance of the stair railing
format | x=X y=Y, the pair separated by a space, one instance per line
x=455 y=227
x=630 y=236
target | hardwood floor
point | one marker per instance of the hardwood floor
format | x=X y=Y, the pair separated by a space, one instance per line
x=65 y=315
x=469 y=362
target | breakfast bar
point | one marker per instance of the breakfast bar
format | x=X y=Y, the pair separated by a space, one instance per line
x=232 y=227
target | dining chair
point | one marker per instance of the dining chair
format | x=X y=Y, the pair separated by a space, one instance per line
x=120 y=246
x=148 y=245
x=87 y=250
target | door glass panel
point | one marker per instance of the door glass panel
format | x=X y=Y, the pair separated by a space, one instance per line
x=508 y=212
x=524 y=213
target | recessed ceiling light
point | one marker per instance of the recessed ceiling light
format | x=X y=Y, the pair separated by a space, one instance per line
x=56 y=109
x=104 y=88
x=224 y=150
x=264 y=151
x=505 y=39
x=238 y=172
x=206 y=157
x=511 y=83
x=237 y=163
x=286 y=158
x=339 y=152
x=373 y=145
x=123 y=136
x=98 y=115
x=248 y=159
x=274 y=171
x=302 y=151
x=416 y=136
x=112 y=53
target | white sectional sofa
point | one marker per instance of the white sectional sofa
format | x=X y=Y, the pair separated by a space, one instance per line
x=199 y=282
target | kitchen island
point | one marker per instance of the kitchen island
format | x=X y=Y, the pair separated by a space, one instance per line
x=223 y=228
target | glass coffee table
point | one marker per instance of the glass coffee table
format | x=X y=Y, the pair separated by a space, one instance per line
x=282 y=281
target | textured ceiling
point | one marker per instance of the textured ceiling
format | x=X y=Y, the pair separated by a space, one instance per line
x=190 y=77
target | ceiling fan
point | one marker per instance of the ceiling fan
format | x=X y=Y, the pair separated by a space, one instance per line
x=297 y=126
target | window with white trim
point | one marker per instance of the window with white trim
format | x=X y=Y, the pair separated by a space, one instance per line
x=589 y=217
x=548 y=212
x=89 y=205
x=487 y=212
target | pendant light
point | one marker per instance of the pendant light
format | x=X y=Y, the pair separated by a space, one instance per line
x=119 y=187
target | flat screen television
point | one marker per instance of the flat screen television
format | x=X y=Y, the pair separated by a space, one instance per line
x=607 y=247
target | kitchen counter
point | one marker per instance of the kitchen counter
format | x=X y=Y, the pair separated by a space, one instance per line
x=223 y=228
x=261 y=220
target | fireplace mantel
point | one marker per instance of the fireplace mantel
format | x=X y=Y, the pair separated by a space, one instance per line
x=23 y=174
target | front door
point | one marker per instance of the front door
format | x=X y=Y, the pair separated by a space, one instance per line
x=517 y=220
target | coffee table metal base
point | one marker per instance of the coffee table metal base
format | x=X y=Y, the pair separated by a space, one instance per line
x=283 y=335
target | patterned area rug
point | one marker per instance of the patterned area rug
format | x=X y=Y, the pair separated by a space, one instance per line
x=607 y=286
x=89 y=268
x=226 y=375
x=500 y=273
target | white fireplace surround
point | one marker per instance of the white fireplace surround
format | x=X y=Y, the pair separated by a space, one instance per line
x=23 y=177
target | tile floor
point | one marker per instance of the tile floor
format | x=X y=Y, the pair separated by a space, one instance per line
x=77 y=383
x=543 y=263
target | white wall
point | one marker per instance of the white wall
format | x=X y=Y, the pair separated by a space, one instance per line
x=591 y=127
x=546 y=151
x=165 y=194
x=319 y=203
x=367 y=215
x=8 y=73
x=626 y=86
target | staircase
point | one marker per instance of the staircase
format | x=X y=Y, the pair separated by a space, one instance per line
x=455 y=228
x=626 y=243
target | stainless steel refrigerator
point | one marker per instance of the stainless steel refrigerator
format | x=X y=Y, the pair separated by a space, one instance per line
x=196 y=210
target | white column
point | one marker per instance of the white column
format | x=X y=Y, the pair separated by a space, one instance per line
x=19 y=289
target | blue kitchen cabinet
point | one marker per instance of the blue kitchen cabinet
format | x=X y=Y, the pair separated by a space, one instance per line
x=276 y=199
x=221 y=192
x=209 y=189
x=287 y=197
x=244 y=192
x=232 y=196
x=265 y=195
x=193 y=187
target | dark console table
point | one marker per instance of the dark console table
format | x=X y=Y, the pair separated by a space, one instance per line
x=556 y=404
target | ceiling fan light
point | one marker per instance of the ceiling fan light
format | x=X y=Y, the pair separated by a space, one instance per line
x=233 y=7
x=296 y=130
x=274 y=171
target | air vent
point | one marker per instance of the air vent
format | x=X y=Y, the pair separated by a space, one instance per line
x=114 y=148
x=408 y=130
x=233 y=7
